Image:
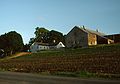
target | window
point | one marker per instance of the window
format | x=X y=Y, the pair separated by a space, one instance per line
x=91 y=43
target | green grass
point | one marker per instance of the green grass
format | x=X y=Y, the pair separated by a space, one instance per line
x=98 y=49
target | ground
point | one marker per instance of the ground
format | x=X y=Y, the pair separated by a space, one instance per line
x=101 y=61
x=18 y=55
x=25 y=78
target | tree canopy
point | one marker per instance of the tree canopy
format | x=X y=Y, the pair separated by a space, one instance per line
x=45 y=36
x=11 y=42
x=55 y=37
x=41 y=34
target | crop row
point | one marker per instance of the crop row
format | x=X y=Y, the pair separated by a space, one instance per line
x=96 y=63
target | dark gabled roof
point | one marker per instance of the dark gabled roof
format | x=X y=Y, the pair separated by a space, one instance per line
x=112 y=35
x=90 y=31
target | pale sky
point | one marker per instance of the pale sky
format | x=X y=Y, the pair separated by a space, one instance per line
x=23 y=16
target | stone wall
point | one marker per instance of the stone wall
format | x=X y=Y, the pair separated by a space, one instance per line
x=76 y=38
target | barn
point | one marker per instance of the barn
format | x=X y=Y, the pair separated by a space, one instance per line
x=83 y=37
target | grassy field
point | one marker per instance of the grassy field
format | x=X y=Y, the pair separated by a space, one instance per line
x=102 y=61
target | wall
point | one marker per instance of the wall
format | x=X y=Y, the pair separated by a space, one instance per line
x=42 y=47
x=92 y=39
x=102 y=40
x=76 y=38
x=33 y=47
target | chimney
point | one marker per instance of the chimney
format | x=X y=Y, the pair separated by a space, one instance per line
x=97 y=30
x=83 y=27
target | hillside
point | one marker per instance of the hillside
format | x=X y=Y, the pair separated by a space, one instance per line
x=95 y=61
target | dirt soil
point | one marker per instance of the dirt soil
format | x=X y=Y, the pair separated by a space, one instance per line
x=18 y=54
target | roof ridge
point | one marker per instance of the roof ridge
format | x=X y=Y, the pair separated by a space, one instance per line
x=87 y=30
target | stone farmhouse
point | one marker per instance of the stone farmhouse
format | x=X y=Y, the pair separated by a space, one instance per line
x=37 y=46
x=83 y=37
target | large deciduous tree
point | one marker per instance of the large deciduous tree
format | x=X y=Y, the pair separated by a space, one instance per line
x=55 y=37
x=45 y=36
x=11 y=42
x=41 y=34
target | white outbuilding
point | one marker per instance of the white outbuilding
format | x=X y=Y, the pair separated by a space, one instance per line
x=37 y=46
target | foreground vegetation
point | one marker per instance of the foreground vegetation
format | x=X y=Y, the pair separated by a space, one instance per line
x=96 y=61
x=10 y=43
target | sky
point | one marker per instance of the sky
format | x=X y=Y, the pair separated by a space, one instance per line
x=23 y=16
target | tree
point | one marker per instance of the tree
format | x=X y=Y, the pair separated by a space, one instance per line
x=15 y=41
x=32 y=40
x=11 y=42
x=45 y=36
x=3 y=41
x=41 y=34
x=26 y=48
x=55 y=37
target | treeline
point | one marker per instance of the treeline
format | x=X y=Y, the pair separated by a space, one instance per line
x=11 y=43
x=45 y=36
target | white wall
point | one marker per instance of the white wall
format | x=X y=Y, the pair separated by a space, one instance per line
x=36 y=47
